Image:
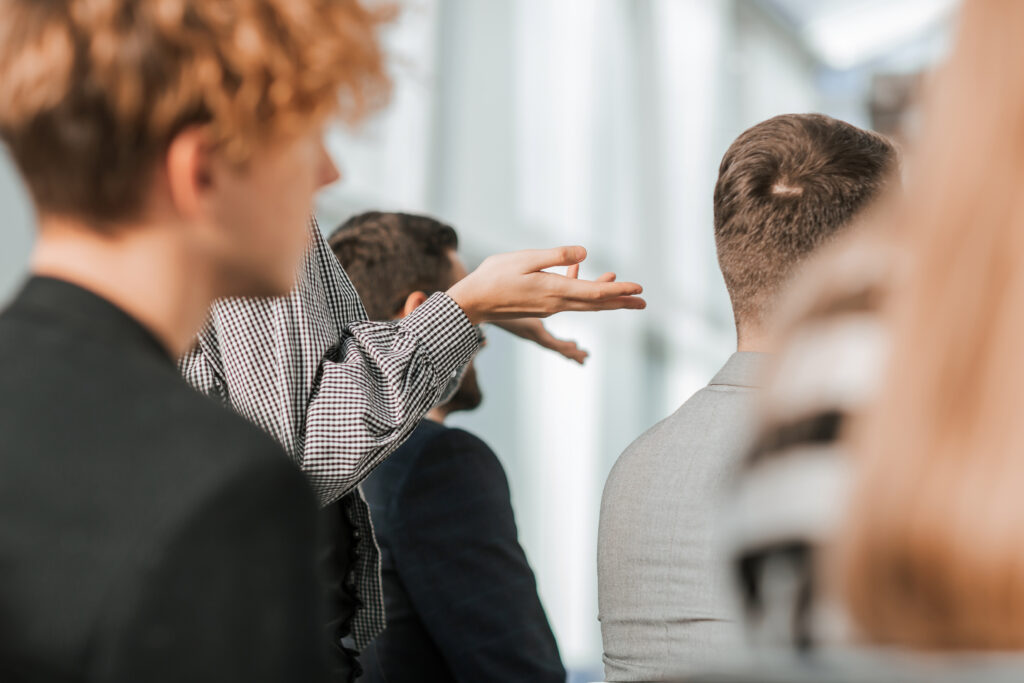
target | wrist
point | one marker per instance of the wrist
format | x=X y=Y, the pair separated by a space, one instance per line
x=464 y=300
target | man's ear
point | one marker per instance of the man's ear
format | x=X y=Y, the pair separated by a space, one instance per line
x=189 y=170
x=412 y=302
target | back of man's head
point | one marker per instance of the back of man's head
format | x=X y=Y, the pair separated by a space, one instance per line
x=786 y=187
x=388 y=256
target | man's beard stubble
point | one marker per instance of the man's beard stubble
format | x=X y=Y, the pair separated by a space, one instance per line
x=469 y=395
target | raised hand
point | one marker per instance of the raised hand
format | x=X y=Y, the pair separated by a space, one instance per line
x=515 y=285
x=533 y=329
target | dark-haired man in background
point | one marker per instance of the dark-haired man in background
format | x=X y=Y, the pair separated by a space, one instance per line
x=786 y=187
x=461 y=600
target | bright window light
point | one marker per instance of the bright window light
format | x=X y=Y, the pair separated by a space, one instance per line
x=855 y=32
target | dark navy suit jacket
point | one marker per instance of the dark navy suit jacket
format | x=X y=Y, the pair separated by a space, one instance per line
x=461 y=598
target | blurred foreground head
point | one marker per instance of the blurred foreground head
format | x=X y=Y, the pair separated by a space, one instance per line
x=932 y=556
x=787 y=187
x=205 y=114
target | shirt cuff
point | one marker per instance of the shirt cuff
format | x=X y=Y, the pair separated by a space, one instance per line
x=445 y=332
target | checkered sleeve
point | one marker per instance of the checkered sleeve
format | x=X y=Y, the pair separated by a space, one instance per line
x=338 y=392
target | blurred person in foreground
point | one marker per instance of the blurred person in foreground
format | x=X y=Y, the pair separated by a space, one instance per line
x=172 y=149
x=461 y=599
x=930 y=555
x=907 y=533
x=786 y=188
x=148 y=533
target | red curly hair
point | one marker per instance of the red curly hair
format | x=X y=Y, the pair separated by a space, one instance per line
x=94 y=90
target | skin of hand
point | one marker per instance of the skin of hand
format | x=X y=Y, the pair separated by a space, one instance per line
x=533 y=329
x=515 y=285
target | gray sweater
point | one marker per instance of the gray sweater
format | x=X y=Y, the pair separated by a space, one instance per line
x=664 y=602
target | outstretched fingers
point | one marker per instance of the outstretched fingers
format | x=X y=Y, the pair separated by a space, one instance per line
x=571 y=351
x=573 y=272
x=585 y=290
x=533 y=260
x=633 y=303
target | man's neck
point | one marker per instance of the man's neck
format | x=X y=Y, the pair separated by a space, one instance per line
x=437 y=414
x=146 y=271
x=754 y=340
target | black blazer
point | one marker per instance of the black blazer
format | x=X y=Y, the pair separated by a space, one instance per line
x=460 y=598
x=146 y=533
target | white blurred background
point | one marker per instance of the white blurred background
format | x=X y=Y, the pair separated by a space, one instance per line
x=536 y=123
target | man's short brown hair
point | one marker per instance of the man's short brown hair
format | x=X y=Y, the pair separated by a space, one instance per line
x=786 y=187
x=93 y=91
x=388 y=256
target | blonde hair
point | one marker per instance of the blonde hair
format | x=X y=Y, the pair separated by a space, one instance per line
x=932 y=555
x=94 y=90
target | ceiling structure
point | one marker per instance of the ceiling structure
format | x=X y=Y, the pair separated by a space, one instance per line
x=845 y=34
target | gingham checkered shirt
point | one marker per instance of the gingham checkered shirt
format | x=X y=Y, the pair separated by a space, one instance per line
x=338 y=392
